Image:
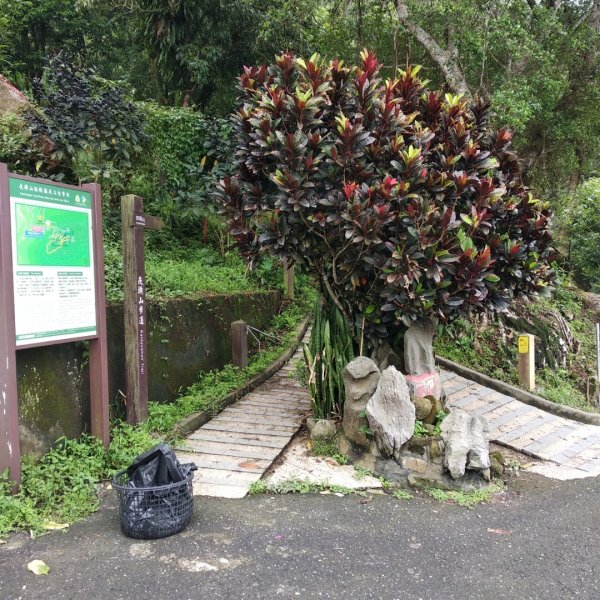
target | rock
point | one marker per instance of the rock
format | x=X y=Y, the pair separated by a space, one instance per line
x=422 y=376
x=466 y=440
x=418 y=348
x=321 y=429
x=361 y=377
x=415 y=464
x=426 y=385
x=423 y=408
x=385 y=356
x=391 y=414
x=496 y=466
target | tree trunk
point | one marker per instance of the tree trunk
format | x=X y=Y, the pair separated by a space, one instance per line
x=445 y=58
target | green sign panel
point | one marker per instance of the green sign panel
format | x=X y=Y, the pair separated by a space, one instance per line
x=53 y=262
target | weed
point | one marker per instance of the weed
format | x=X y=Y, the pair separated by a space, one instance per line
x=402 y=495
x=257 y=487
x=467 y=499
x=361 y=472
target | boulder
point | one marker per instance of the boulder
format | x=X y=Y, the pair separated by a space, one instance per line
x=418 y=348
x=361 y=377
x=391 y=414
x=321 y=430
x=466 y=441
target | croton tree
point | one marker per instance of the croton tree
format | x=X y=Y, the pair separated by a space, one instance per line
x=403 y=202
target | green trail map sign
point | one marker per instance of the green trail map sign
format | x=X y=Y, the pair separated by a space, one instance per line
x=53 y=262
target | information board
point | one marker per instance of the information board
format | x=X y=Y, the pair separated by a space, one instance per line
x=53 y=262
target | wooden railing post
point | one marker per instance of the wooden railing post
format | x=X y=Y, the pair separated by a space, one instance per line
x=239 y=343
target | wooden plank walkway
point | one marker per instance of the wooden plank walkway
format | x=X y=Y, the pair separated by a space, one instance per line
x=570 y=446
x=236 y=447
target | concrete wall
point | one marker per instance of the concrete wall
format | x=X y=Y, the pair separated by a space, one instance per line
x=185 y=336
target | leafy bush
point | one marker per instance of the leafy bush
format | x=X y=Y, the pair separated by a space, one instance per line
x=15 y=144
x=87 y=126
x=403 y=202
x=583 y=232
x=189 y=153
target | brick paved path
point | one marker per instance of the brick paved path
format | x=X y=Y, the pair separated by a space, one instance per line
x=567 y=444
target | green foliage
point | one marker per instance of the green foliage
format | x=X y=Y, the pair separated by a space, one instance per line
x=403 y=202
x=424 y=430
x=328 y=448
x=188 y=153
x=15 y=144
x=466 y=499
x=182 y=272
x=402 y=495
x=328 y=352
x=60 y=486
x=583 y=232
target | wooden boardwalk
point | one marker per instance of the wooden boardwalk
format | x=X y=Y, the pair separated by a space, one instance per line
x=236 y=447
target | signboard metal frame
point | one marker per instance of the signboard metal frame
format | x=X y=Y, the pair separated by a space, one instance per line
x=98 y=349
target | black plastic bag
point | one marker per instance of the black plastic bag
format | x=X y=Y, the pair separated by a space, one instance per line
x=157 y=466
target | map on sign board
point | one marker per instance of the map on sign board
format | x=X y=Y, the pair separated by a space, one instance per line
x=53 y=259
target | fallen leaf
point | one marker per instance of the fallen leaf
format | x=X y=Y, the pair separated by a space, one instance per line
x=248 y=465
x=2 y=542
x=500 y=531
x=339 y=494
x=39 y=567
x=54 y=526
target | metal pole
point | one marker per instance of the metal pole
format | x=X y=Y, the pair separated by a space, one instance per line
x=598 y=353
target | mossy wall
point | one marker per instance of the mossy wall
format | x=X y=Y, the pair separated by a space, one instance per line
x=185 y=336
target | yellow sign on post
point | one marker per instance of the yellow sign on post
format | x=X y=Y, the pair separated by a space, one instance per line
x=523 y=344
x=527 y=361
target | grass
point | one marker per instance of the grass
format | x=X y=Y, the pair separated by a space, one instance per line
x=466 y=499
x=188 y=272
x=297 y=486
x=61 y=486
x=328 y=448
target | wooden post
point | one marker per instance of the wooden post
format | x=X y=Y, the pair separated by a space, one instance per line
x=288 y=280
x=527 y=361
x=133 y=222
x=98 y=358
x=239 y=343
x=10 y=448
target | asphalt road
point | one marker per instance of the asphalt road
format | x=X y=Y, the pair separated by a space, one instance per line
x=540 y=540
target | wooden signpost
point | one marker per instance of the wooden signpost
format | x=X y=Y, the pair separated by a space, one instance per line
x=134 y=221
x=527 y=361
x=288 y=280
x=51 y=290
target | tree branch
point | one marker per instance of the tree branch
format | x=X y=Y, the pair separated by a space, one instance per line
x=445 y=59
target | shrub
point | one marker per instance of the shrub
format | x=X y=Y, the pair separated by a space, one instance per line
x=86 y=124
x=584 y=233
x=403 y=202
x=189 y=153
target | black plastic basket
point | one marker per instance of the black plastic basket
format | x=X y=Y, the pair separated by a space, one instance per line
x=153 y=512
